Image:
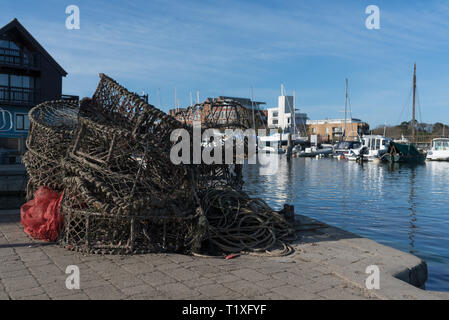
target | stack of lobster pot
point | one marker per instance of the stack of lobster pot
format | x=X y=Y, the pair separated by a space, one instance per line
x=122 y=193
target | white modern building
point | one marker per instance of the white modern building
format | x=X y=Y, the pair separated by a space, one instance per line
x=281 y=117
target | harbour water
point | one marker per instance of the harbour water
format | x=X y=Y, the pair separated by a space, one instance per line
x=402 y=206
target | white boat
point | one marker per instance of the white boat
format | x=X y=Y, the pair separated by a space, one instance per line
x=314 y=151
x=346 y=148
x=372 y=147
x=439 y=150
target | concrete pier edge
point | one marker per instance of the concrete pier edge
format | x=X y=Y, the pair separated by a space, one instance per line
x=328 y=263
x=402 y=275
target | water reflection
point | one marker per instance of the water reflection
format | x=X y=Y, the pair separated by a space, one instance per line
x=378 y=201
x=413 y=219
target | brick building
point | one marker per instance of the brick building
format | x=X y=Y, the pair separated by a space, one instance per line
x=332 y=130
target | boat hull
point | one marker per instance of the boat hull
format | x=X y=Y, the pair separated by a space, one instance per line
x=404 y=158
x=403 y=153
x=438 y=155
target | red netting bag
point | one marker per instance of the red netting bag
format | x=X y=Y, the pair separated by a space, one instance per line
x=41 y=216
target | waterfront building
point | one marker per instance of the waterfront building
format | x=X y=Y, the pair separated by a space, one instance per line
x=28 y=76
x=281 y=117
x=333 y=130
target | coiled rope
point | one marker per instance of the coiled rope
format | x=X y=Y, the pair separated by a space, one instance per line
x=240 y=224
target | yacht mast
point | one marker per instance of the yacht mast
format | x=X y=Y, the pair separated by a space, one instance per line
x=293 y=116
x=346 y=106
x=252 y=107
x=414 y=93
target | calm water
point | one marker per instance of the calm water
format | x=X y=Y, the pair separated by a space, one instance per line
x=405 y=207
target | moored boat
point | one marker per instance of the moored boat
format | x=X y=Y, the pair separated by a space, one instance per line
x=439 y=150
x=402 y=152
x=372 y=148
x=405 y=151
x=343 y=149
x=314 y=151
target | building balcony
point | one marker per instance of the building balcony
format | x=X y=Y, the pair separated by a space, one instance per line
x=19 y=96
x=17 y=58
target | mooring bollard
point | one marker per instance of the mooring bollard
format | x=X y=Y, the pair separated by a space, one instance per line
x=288 y=213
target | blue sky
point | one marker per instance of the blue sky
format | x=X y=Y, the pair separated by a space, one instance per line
x=227 y=47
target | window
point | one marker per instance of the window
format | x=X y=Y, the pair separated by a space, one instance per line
x=327 y=130
x=3 y=79
x=337 y=130
x=313 y=130
x=441 y=145
x=18 y=81
x=7 y=44
x=4 y=44
x=275 y=121
x=9 y=52
x=22 y=122
x=275 y=114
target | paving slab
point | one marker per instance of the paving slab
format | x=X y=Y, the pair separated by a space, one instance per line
x=328 y=263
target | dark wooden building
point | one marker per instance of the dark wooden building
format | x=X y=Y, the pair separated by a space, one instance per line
x=28 y=76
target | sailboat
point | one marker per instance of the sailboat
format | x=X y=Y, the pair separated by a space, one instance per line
x=406 y=151
x=346 y=147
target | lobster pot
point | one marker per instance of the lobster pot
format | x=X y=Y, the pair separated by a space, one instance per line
x=123 y=174
x=92 y=232
x=117 y=194
x=52 y=125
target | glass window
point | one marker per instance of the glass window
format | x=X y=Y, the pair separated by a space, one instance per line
x=3 y=79
x=441 y=145
x=26 y=82
x=13 y=45
x=4 y=44
x=16 y=81
x=7 y=44
x=377 y=144
x=20 y=122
